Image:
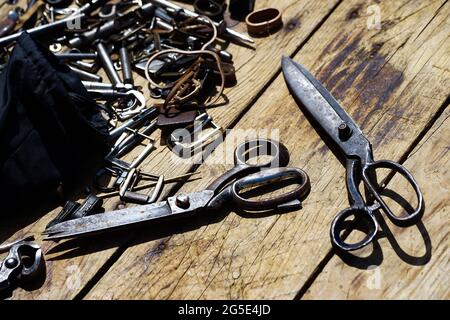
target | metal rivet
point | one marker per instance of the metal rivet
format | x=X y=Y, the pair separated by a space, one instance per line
x=183 y=201
x=11 y=263
x=344 y=131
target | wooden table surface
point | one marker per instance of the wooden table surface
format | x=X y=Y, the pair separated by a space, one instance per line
x=393 y=78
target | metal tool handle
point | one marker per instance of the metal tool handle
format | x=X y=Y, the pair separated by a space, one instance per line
x=412 y=217
x=24 y=261
x=358 y=209
x=34 y=267
x=250 y=150
x=44 y=30
x=361 y=215
x=271 y=177
x=107 y=63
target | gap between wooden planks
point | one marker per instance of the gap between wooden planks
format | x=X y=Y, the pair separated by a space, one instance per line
x=74 y=268
x=392 y=81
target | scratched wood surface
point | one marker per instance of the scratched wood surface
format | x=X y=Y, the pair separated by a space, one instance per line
x=393 y=81
x=70 y=270
x=382 y=78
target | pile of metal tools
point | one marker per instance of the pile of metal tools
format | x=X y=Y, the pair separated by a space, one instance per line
x=177 y=52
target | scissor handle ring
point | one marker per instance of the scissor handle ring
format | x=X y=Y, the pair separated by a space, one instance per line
x=363 y=213
x=244 y=152
x=261 y=147
x=413 y=217
x=266 y=177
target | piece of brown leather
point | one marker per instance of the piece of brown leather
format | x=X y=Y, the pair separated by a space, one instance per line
x=173 y=118
x=264 y=21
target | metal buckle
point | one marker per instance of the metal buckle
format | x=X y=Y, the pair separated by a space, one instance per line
x=187 y=141
x=138 y=104
x=126 y=140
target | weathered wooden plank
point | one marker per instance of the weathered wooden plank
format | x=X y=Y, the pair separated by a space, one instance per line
x=416 y=265
x=391 y=80
x=69 y=271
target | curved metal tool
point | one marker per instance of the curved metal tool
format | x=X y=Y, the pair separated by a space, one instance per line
x=239 y=37
x=23 y=263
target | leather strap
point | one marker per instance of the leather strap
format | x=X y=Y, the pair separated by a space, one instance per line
x=264 y=21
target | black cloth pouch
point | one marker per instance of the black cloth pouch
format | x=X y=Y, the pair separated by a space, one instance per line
x=51 y=132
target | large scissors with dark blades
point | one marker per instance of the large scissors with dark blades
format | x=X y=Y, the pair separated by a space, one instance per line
x=350 y=143
x=232 y=188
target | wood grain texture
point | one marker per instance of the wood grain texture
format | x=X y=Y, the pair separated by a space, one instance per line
x=392 y=81
x=73 y=266
x=415 y=264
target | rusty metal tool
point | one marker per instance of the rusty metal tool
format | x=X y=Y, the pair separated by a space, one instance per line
x=350 y=143
x=23 y=263
x=228 y=189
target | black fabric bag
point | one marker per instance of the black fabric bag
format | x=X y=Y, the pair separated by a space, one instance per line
x=50 y=130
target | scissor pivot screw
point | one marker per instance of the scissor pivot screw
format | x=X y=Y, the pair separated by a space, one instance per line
x=183 y=201
x=11 y=263
x=344 y=131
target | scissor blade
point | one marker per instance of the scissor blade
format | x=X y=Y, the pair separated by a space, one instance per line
x=321 y=105
x=106 y=221
x=127 y=217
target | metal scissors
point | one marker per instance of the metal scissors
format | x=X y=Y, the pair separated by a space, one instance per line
x=230 y=188
x=24 y=261
x=349 y=140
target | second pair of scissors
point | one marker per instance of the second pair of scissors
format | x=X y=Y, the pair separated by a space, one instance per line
x=232 y=187
x=348 y=141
